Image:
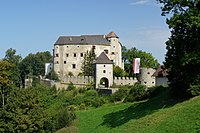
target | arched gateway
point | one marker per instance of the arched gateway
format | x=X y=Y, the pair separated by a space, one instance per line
x=103 y=71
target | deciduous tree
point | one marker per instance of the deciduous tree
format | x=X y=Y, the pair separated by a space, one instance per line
x=183 y=56
x=5 y=81
x=146 y=59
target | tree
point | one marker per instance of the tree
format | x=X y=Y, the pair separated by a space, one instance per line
x=183 y=57
x=34 y=64
x=5 y=81
x=119 y=72
x=15 y=60
x=87 y=66
x=52 y=75
x=146 y=59
x=23 y=112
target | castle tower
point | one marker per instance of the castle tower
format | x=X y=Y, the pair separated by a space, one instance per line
x=103 y=71
x=115 y=49
x=146 y=77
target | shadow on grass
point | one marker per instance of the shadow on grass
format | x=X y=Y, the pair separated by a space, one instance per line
x=138 y=110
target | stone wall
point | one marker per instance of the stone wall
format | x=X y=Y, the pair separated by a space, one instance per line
x=124 y=81
x=146 y=77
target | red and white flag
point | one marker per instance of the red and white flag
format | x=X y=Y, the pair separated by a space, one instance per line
x=136 y=65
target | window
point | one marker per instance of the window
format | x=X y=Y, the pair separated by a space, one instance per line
x=104 y=71
x=73 y=66
x=67 y=55
x=67 y=46
x=81 y=54
x=57 y=55
x=57 y=62
x=50 y=68
x=104 y=65
x=74 y=54
x=93 y=47
x=106 y=51
x=113 y=46
x=65 y=62
x=78 y=46
x=113 y=53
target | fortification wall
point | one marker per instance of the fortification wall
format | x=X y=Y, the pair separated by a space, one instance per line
x=78 y=79
x=124 y=81
x=81 y=81
x=146 y=77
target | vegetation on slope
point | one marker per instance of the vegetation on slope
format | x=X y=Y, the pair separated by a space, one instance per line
x=159 y=114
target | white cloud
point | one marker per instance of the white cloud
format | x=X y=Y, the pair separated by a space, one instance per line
x=139 y=2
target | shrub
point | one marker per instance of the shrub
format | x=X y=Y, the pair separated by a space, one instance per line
x=82 y=106
x=64 y=118
x=137 y=92
x=82 y=90
x=155 y=91
x=120 y=94
x=91 y=93
x=72 y=107
x=194 y=90
x=71 y=86
x=70 y=129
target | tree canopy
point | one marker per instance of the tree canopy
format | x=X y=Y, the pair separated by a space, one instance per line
x=183 y=56
x=146 y=59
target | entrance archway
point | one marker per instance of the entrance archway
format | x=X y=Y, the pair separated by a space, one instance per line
x=104 y=82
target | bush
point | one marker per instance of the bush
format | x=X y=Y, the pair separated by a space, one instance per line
x=64 y=118
x=155 y=91
x=71 y=86
x=82 y=106
x=120 y=94
x=82 y=90
x=70 y=129
x=91 y=93
x=137 y=92
x=194 y=90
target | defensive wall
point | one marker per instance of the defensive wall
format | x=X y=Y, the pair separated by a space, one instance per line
x=145 y=78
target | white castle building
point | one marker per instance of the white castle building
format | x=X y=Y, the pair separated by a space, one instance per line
x=69 y=53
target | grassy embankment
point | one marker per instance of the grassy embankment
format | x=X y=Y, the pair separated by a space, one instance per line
x=160 y=114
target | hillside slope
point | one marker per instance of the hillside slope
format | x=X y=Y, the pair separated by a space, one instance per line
x=159 y=114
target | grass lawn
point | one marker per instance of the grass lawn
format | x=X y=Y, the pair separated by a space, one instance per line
x=157 y=115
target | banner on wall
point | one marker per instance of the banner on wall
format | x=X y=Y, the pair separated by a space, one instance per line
x=136 y=65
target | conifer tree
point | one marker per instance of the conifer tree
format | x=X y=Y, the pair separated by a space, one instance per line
x=87 y=66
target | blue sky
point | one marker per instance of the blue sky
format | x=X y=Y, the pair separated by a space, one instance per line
x=30 y=26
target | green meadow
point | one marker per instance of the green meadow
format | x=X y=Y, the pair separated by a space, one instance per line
x=160 y=114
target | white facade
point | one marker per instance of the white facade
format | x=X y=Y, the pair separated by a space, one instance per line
x=104 y=75
x=69 y=51
x=48 y=67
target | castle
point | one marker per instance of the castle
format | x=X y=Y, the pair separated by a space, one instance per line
x=69 y=53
